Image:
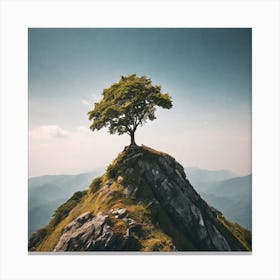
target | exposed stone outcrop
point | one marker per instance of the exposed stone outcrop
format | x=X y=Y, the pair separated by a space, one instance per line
x=93 y=233
x=119 y=212
x=141 y=176
x=186 y=208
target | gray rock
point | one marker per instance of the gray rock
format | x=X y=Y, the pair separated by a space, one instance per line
x=134 y=192
x=85 y=233
x=173 y=191
x=119 y=212
x=127 y=192
x=129 y=170
x=130 y=191
x=133 y=157
x=93 y=233
x=120 y=179
x=131 y=221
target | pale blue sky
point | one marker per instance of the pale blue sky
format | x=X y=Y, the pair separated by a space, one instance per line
x=206 y=71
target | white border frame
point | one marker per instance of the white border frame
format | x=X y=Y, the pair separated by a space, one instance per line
x=17 y=16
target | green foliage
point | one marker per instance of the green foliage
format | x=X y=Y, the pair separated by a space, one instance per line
x=127 y=104
x=111 y=171
x=96 y=184
x=153 y=244
x=62 y=211
x=36 y=238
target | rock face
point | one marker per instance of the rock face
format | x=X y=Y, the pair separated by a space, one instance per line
x=174 y=193
x=92 y=233
x=119 y=212
x=147 y=204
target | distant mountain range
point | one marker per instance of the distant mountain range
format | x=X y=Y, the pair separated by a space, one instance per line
x=202 y=179
x=226 y=191
x=46 y=193
x=233 y=197
x=222 y=189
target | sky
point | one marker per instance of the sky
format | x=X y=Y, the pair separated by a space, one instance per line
x=206 y=71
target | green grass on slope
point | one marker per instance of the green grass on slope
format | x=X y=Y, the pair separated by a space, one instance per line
x=103 y=199
x=107 y=192
x=159 y=232
x=243 y=235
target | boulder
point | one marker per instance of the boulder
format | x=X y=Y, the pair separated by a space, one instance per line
x=92 y=233
x=119 y=212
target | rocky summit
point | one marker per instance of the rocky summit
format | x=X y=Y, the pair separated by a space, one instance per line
x=143 y=202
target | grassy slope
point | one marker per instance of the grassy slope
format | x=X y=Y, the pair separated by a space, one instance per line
x=243 y=235
x=102 y=200
x=159 y=232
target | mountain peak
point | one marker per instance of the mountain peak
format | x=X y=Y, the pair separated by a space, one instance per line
x=143 y=202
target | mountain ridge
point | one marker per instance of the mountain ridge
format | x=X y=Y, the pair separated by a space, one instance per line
x=151 y=188
x=44 y=201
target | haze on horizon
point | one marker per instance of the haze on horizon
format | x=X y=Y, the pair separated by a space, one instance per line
x=207 y=72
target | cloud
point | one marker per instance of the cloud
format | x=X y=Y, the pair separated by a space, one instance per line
x=79 y=150
x=48 y=131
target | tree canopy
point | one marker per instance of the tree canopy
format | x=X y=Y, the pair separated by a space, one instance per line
x=128 y=104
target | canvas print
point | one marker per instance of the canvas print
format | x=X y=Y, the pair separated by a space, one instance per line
x=139 y=140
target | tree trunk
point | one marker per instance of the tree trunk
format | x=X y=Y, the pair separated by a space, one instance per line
x=132 y=138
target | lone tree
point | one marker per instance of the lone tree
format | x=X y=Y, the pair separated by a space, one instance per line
x=128 y=104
